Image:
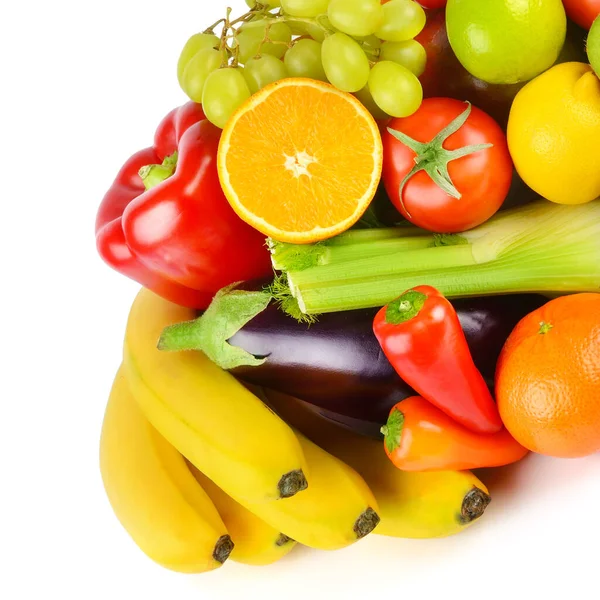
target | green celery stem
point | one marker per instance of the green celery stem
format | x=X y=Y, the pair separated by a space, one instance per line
x=338 y=254
x=541 y=247
x=400 y=263
x=500 y=277
x=364 y=236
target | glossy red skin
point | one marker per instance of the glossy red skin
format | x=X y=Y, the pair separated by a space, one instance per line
x=483 y=178
x=583 y=12
x=180 y=239
x=431 y=354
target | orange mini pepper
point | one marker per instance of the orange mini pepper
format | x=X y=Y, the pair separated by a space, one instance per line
x=420 y=437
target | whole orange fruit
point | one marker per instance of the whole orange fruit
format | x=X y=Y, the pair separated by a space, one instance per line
x=548 y=378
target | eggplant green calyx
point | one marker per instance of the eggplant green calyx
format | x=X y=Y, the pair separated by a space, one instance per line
x=153 y=175
x=433 y=158
x=393 y=430
x=593 y=46
x=405 y=307
x=229 y=311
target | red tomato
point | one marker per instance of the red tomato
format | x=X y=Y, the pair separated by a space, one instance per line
x=482 y=178
x=583 y=12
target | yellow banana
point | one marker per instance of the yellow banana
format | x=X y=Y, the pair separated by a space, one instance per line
x=411 y=505
x=335 y=511
x=153 y=493
x=256 y=542
x=218 y=425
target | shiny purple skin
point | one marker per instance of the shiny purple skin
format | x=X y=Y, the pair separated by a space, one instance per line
x=337 y=366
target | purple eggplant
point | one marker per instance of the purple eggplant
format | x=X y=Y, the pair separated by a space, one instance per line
x=334 y=364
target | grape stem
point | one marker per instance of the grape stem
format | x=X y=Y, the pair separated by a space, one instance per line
x=211 y=29
x=229 y=32
x=286 y=19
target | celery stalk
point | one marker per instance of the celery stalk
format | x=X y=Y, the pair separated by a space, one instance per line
x=541 y=247
x=353 y=245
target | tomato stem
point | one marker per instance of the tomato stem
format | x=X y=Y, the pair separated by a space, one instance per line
x=433 y=158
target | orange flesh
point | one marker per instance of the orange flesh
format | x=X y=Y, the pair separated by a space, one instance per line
x=301 y=158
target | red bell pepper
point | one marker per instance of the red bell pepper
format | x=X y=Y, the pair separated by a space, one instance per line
x=166 y=223
x=420 y=437
x=421 y=336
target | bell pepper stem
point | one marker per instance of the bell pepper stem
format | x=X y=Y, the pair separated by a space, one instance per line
x=393 y=430
x=153 y=175
x=405 y=307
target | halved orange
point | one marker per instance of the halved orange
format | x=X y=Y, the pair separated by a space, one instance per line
x=300 y=161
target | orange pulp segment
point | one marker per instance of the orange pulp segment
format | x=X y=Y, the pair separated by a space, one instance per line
x=300 y=161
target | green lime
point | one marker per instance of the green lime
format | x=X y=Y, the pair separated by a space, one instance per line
x=506 y=41
x=593 y=46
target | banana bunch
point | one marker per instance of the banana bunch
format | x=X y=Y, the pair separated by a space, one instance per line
x=198 y=468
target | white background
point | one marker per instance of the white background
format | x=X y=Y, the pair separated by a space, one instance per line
x=84 y=85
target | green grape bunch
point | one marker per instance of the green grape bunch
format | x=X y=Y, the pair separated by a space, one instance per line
x=361 y=47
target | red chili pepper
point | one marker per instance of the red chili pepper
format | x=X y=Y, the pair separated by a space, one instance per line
x=421 y=336
x=420 y=437
x=166 y=223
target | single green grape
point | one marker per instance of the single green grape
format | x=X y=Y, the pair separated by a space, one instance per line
x=345 y=63
x=303 y=59
x=199 y=41
x=201 y=65
x=367 y=101
x=252 y=34
x=269 y=3
x=304 y=8
x=225 y=91
x=409 y=54
x=356 y=17
x=402 y=20
x=260 y=72
x=395 y=89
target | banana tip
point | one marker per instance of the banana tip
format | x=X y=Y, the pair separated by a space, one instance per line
x=366 y=523
x=283 y=539
x=474 y=505
x=292 y=483
x=223 y=549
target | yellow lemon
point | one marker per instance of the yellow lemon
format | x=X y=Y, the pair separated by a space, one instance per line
x=554 y=134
